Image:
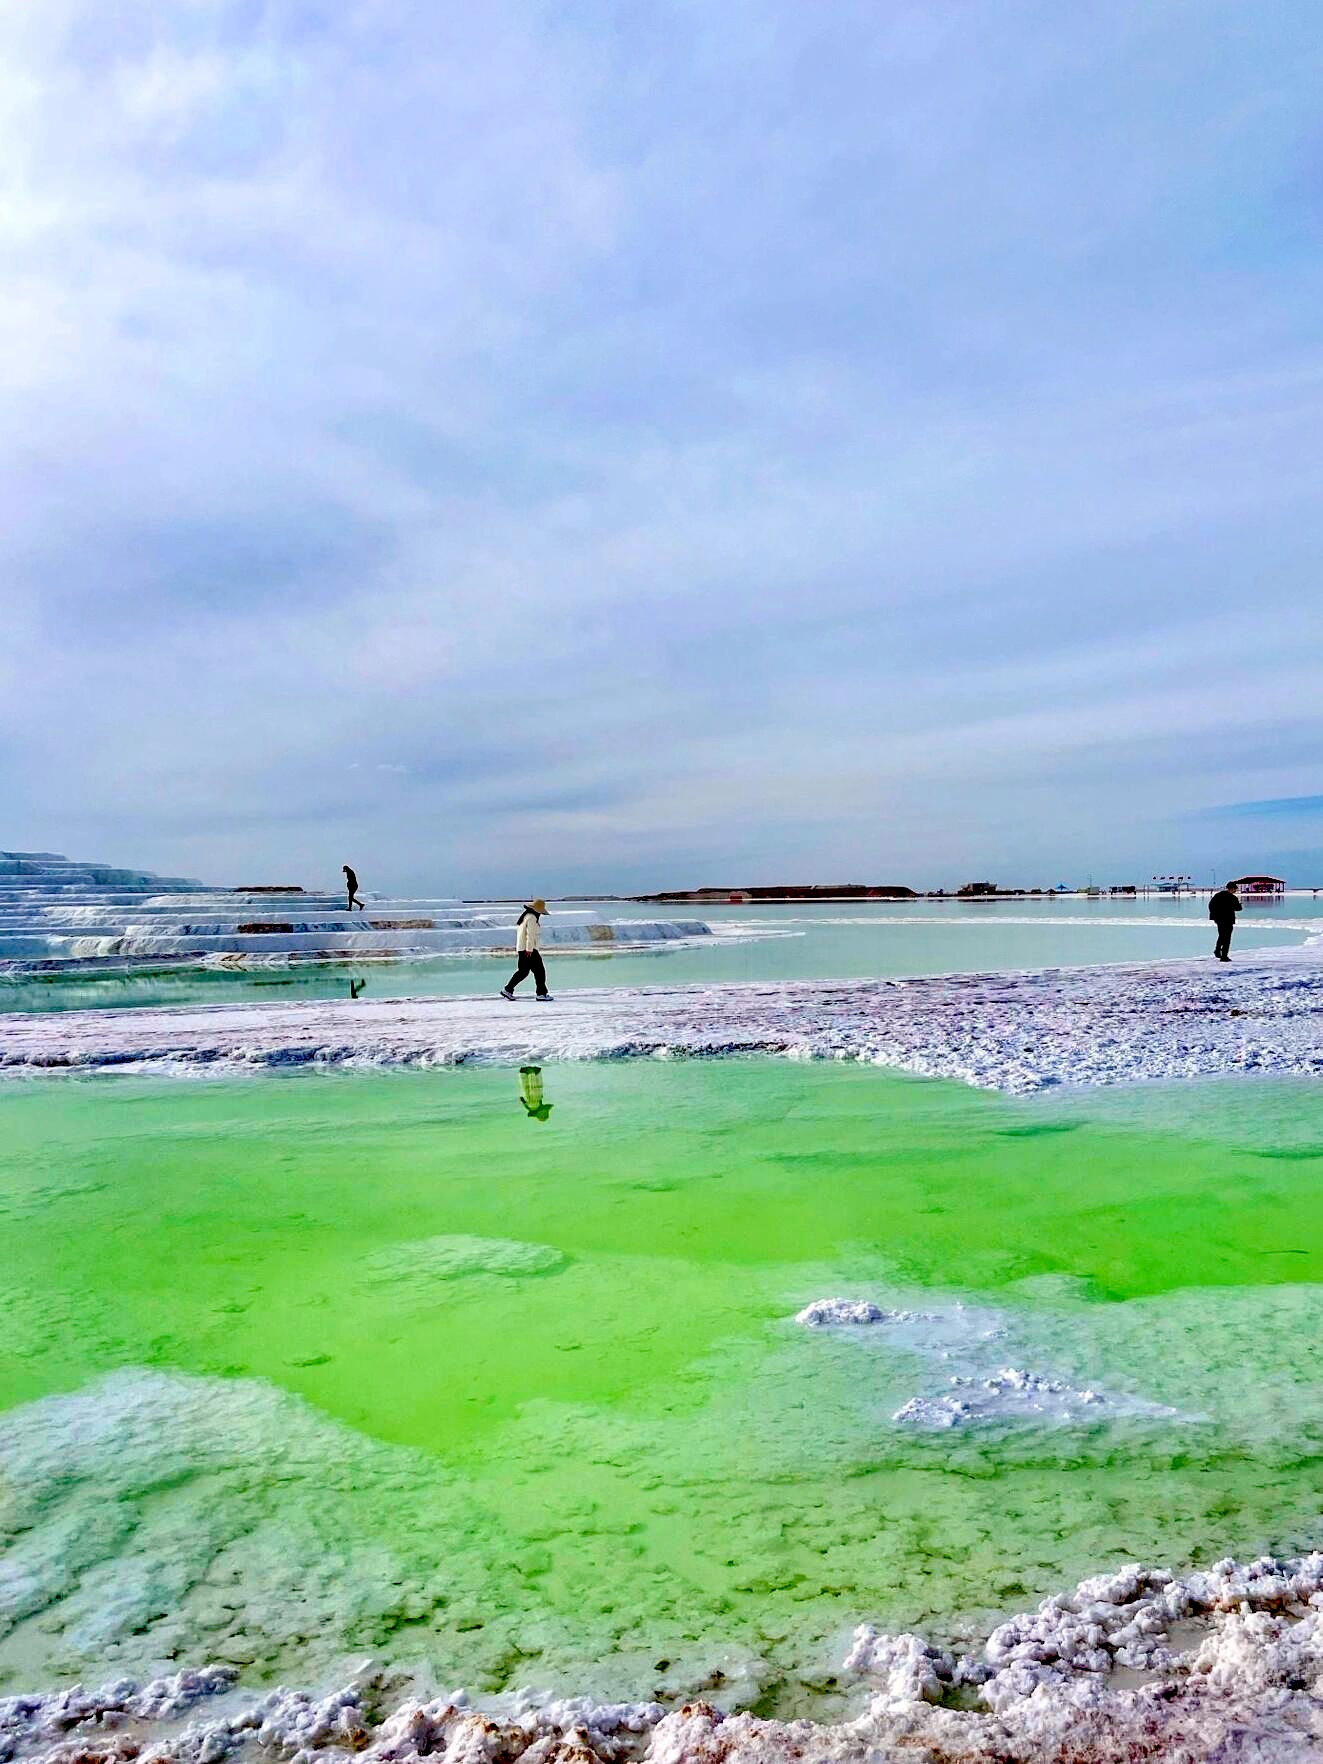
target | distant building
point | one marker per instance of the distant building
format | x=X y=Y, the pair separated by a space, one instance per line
x=976 y=888
x=1258 y=885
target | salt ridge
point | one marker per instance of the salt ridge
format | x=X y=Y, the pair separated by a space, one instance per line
x=1015 y=1032
x=1249 y=1685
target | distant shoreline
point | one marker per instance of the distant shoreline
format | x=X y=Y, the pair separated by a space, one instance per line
x=852 y=894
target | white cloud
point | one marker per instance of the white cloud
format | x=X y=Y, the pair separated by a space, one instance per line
x=787 y=432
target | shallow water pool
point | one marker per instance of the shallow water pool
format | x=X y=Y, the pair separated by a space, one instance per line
x=498 y=1374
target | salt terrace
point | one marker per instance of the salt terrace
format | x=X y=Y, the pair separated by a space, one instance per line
x=59 y=915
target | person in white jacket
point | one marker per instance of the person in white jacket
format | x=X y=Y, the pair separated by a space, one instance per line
x=526 y=948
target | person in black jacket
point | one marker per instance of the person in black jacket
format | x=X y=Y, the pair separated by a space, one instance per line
x=351 y=884
x=1222 y=909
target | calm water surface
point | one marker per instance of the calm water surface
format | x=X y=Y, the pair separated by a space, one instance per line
x=772 y=943
x=497 y=1373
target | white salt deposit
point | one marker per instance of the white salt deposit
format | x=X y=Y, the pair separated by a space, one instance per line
x=1012 y=1032
x=957 y=1341
x=823 y=1313
x=1011 y=1394
x=57 y=915
x=1243 y=1679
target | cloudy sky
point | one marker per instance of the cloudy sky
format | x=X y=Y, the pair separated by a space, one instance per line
x=608 y=443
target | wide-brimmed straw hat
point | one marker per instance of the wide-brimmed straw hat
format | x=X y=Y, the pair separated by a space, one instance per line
x=538 y=906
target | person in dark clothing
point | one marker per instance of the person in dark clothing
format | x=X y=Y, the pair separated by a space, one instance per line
x=1222 y=910
x=351 y=883
x=526 y=946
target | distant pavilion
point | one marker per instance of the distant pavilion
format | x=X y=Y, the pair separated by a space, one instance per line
x=1258 y=886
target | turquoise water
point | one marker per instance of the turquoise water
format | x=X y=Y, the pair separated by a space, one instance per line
x=752 y=943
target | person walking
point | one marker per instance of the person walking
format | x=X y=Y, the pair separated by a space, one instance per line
x=351 y=884
x=1222 y=910
x=526 y=948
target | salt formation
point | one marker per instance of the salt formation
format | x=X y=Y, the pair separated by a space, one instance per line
x=57 y=914
x=1019 y=1033
x=1249 y=1684
x=958 y=1340
x=1011 y=1393
x=824 y=1312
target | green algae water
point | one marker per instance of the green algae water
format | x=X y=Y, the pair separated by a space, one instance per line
x=497 y=1375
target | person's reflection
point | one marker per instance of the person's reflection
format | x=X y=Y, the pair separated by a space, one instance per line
x=530 y=1093
x=356 y=986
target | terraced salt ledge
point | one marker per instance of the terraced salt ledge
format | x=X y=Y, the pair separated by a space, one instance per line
x=57 y=915
x=1013 y=1032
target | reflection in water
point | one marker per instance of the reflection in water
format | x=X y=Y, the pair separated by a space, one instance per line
x=356 y=986
x=530 y=1093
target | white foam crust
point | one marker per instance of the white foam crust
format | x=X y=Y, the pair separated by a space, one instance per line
x=1097 y=1673
x=1015 y=1032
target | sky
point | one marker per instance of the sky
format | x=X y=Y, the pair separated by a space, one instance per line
x=581 y=445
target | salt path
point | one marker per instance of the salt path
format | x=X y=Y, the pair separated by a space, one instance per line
x=57 y=914
x=1014 y=1032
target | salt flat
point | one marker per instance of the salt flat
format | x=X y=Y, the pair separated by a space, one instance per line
x=1014 y=1032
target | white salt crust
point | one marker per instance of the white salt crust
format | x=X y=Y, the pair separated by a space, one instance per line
x=954 y=1340
x=1015 y=1032
x=1133 y=1664
x=57 y=915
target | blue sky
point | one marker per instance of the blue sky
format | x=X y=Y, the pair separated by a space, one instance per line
x=602 y=445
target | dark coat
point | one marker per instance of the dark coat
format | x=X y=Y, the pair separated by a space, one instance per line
x=1223 y=907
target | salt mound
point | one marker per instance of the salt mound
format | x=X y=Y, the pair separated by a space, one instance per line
x=824 y=1312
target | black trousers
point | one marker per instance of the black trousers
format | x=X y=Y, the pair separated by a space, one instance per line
x=530 y=962
x=1224 y=929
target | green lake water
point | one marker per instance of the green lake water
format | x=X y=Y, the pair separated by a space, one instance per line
x=299 y=1369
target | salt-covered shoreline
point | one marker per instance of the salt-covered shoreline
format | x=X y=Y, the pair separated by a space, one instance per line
x=1014 y=1032
x=1134 y=1664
